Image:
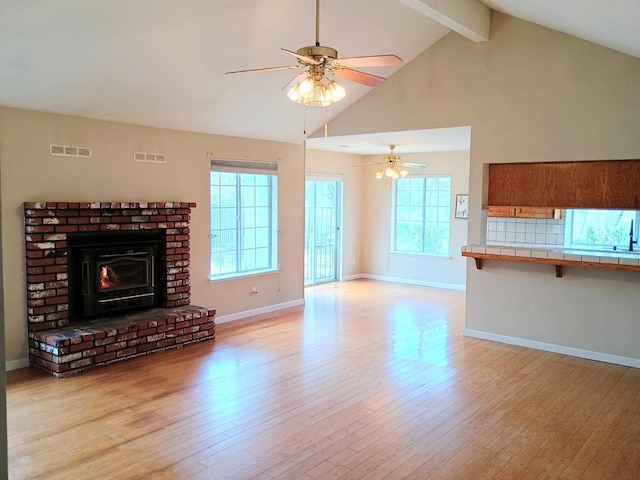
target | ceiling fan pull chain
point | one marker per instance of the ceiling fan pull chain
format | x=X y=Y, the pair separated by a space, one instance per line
x=317 y=23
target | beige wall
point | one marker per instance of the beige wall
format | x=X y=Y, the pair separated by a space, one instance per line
x=29 y=173
x=529 y=94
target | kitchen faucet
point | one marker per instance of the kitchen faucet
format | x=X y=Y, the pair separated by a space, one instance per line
x=631 y=240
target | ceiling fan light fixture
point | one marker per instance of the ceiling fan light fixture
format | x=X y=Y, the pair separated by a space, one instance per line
x=391 y=172
x=379 y=174
x=316 y=91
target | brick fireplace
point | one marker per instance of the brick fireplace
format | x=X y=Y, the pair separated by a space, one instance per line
x=63 y=344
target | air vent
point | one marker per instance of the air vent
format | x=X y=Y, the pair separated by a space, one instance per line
x=69 y=151
x=150 y=157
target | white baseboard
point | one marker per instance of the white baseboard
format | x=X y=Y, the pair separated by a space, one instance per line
x=16 y=364
x=348 y=278
x=259 y=311
x=409 y=281
x=550 y=347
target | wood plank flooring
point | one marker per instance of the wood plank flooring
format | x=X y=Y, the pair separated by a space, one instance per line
x=369 y=380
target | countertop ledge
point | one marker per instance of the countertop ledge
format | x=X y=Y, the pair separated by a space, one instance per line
x=559 y=257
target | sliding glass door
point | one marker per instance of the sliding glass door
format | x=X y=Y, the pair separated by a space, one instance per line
x=322 y=230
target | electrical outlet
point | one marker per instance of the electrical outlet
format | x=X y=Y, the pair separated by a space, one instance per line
x=500 y=226
x=254 y=290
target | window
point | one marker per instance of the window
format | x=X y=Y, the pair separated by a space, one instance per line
x=600 y=228
x=422 y=215
x=243 y=217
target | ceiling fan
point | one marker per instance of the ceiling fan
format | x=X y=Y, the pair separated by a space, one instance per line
x=311 y=87
x=394 y=166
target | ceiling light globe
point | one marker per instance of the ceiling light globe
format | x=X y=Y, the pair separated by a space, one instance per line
x=306 y=86
x=294 y=94
x=336 y=90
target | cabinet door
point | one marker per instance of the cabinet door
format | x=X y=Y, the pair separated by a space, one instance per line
x=508 y=212
x=533 y=212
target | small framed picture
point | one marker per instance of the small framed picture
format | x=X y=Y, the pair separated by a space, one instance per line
x=462 y=206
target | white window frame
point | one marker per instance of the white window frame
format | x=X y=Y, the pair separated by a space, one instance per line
x=622 y=245
x=239 y=168
x=424 y=221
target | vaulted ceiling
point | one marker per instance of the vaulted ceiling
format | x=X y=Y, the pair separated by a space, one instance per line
x=162 y=63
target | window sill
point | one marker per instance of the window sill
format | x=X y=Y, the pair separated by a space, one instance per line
x=237 y=276
x=418 y=254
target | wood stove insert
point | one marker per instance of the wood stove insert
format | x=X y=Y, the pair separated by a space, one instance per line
x=113 y=272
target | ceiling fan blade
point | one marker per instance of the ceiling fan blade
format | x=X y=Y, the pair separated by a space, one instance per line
x=303 y=58
x=366 y=164
x=413 y=165
x=296 y=79
x=267 y=69
x=370 y=61
x=359 y=77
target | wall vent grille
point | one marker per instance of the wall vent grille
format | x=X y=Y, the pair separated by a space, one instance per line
x=69 y=151
x=150 y=157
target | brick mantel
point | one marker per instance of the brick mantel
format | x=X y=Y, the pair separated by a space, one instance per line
x=47 y=227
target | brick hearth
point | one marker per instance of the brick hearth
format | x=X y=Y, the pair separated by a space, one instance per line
x=69 y=350
x=64 y=348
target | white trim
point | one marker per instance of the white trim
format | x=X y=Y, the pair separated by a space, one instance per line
x=258 y=311
x=235 y=276
x=550 y=347
x=348 y=278
x=324 y=177
x=16 y=364
x=409 y=281
x=257 y=167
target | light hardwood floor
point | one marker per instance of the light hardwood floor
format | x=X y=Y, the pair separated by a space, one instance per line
x=369 y=380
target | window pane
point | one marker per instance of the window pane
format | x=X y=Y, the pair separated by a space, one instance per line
x=228 y=178
x=262 y=258
x=262 y=216
x=248 y=238
x=241 y=237
x=444 y=183
x=248 y=217
x=422 y=207
x=227 y=196
x=228 y=217
x=606 y=228
x=262 y=237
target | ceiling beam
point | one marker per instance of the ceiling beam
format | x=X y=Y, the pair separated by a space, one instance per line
x=469 y=18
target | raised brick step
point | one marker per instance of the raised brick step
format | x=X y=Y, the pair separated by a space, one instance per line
x=69 y=350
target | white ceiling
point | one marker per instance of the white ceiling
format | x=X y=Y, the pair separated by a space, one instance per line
x=162 y=63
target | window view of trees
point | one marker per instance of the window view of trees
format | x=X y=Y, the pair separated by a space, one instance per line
x=422 y=215
x=242 y=222
x=586 y=228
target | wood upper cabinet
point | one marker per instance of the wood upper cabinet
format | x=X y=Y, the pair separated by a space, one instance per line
x=589 y=184
x=520 y=212
x=534 y=212
x=504 y=212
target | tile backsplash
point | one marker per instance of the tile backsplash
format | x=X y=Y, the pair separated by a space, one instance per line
x=525 y=232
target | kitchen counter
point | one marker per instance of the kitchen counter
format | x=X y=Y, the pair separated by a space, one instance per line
x=556 y=256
